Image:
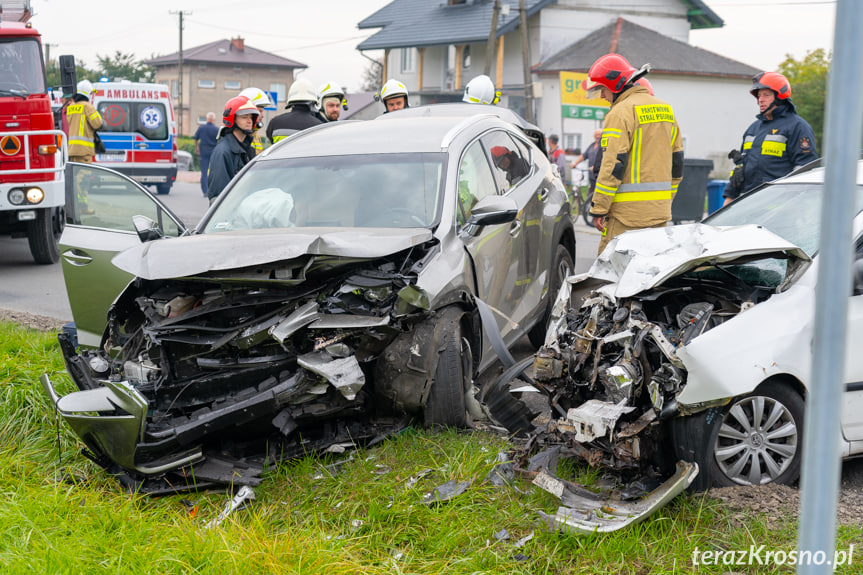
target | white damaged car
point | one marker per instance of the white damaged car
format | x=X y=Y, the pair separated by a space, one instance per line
x=691 y=345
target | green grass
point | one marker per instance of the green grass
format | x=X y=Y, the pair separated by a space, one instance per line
x=65 y=515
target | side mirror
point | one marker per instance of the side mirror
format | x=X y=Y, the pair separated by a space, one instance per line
x=147 y=229
x=493 y=210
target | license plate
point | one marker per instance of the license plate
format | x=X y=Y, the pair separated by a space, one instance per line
x=150 y=179
x=121 y=157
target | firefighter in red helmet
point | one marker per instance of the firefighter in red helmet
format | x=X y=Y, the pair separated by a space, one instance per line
x=777 y=142
x=642 y=152
x=234 y=149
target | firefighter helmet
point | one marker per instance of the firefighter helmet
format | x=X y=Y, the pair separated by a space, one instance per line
x=332 y=90
x=238 y=106
x=612 y=71
x=302 y=92
x=772 y=81
x=480 y=90
x=258 y=97
x=644 y=82
x=393 y=89
x=85 y=88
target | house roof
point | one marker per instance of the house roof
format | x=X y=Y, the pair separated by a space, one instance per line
x=641 y=45
x=415 y=23
x=226 y=52
x=356 y=102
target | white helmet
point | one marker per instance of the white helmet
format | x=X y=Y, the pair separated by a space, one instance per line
x=392 y=89
x=302 y=92
x=85 y=88
x=480 y=90
x=331 y=89
x=258 y=97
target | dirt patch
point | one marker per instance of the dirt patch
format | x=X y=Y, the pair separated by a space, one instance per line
x=30 y=320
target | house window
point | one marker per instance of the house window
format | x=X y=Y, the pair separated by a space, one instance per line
x=206 y=83
x=202 y=66
x=409 y=60
x=465 y=58
x=279 y=89
x=233 y=85
x=202 y=120
x=175 y=89
x=238 y=68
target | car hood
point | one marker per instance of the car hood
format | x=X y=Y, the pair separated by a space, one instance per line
x=196 y=254
x=643 y=259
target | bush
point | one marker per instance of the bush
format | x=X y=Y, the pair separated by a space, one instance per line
x=187 y=143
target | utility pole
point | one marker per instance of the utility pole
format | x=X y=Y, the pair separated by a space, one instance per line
x=525 y=56
x=180 y=13
x=492 y=37
x=48 y=53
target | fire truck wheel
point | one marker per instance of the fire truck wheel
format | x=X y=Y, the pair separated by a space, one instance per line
x=43 y=236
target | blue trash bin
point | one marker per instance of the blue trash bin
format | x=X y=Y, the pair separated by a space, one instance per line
x=714 y=194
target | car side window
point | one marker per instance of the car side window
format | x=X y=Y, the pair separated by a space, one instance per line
x=103 y=199
x=475 y=181
x=511 y=161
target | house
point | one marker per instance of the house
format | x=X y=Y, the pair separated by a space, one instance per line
x=218 y=71
x=436 y=46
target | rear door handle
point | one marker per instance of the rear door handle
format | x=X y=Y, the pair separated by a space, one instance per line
x=543 y=194
x=515 y=228
x=77 y=257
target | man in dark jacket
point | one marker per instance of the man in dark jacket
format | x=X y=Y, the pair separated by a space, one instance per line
x=206 y=137
x=234 y=149
x=302 y=114
x=776 y=143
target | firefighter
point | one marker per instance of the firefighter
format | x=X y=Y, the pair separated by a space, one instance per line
x=234 y=149
x=302 y=103
x=394 y=95
x=261 y=100
x=776 y=143
x=332 y=99
x=83 y=120
x=480 y=90
x=642 y=152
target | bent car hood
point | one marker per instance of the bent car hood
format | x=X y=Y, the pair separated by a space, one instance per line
x=196 y=254
x=643 y=259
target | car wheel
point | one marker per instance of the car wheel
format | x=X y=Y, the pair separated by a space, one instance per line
x=756 y=439
x=163 y=189
x=445 y=405
x=44 y=237
x=561 y=268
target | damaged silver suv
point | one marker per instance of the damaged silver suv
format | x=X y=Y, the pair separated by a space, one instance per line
x=344 y=284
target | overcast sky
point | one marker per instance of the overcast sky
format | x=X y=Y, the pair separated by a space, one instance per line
x=323 y=34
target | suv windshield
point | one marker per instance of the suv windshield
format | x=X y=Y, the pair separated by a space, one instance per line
x=371 y=191
x=21 y=70
x=792 y=211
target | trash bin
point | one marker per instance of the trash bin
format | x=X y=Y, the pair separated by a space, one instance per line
x=714 y=195
x=689 y=200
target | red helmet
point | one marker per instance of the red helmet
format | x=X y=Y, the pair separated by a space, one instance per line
x=646 y=84
x=611 y=71
x=772 y=81
x=238 y=106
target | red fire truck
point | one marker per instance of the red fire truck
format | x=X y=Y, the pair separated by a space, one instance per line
x=32 y=152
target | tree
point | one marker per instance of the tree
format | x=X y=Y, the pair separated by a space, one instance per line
x=373 y=77
x=808 y=79
x=52 y=73
x=125 y=67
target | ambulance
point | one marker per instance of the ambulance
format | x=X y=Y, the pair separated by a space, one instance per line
x=139 y=132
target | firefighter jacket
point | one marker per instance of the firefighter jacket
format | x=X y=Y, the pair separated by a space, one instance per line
x=228 y=158
x=257 y=142
x=642 y=160
x=83 y=121
x=300 y=117
x=772 y=148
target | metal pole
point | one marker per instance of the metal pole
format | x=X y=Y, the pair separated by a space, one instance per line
x=822 y=430
x=525 y=56
x=492 y=36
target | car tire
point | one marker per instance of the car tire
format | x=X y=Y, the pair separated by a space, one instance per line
x=754 y=440
x=43 y=235
x=561 y=268
x=445 y=405
x=163 y=189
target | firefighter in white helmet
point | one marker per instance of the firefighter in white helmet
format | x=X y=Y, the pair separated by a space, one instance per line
x=261 y=100
x=394 y=95
x=332 y=99
x=481 y=90
x=302 y=114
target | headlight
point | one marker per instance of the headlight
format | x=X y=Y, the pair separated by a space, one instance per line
x=16 y=197
x=35 y=195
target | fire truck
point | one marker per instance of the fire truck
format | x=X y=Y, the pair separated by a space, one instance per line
x=33 y=152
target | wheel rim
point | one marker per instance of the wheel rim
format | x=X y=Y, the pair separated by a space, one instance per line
x=757 y=441
x=563 y=271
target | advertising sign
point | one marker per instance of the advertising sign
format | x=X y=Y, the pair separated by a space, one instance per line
x=573 y=98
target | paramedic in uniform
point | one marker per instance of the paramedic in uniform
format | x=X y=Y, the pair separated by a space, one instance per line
x=776 y=143
x=642 y=159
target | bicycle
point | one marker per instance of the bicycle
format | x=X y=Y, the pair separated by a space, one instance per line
x=580 y=196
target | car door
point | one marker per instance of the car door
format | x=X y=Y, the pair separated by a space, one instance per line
x=852 y=403
x=100 y=204
x=493 y=249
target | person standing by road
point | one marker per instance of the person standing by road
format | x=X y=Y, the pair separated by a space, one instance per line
x=642 y=161
x=234 y=149
x=777 y=142
x=590 y=154
x=205 y=141
x=556 y=156
x=302 y=114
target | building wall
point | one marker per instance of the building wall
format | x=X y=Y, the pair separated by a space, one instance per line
x=197 y=101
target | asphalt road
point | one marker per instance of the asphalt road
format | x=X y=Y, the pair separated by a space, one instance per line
x=37 y=289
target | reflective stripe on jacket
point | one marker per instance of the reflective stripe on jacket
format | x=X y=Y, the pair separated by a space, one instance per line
x=83 y=120
x=642 y=160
